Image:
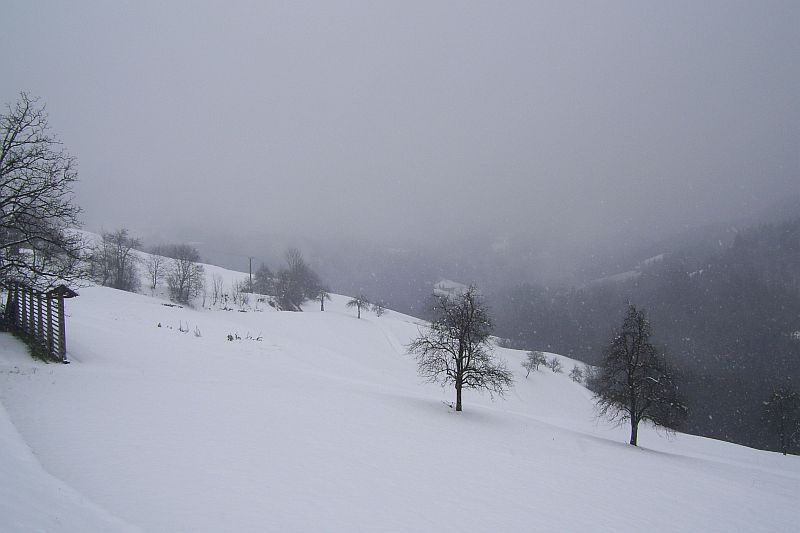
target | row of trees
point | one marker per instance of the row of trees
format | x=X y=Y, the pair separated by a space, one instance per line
x=114 y=262
x=292 y=285
x=38 y=243
x=297 y=283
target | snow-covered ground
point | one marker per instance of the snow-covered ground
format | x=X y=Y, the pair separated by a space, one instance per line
x=318 y=422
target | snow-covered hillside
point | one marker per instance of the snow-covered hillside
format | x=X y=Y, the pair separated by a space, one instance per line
x=317 y=421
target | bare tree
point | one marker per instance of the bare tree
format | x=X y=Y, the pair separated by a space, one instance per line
x=576 y=374
x=554 y=364
x=324 y=294
x=296 y=283
x=782 y=416
x=359 y=302
x=184 y=274
x=532 y=361
x=114 y=262
x=455 y=347
x=634 y=382
x=287 y=291
x=294 y=259
x=155 y=264
x=239 y=293
x=379 y=308
x=37 y=210
x=264 y=281
x=217 y=288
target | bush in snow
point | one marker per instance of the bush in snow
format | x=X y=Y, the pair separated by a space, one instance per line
x=532 y=362
x=296 y=283
x=379 y=308
x=555 y=365
x=264 y=281
x=184 y=274
x=576 y=374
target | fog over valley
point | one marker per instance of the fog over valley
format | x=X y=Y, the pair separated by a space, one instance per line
x=557 y=126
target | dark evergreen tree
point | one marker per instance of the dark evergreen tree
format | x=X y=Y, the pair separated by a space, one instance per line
x=782 y=417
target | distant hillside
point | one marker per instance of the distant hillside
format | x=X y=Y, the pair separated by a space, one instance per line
x=728 y=321
x=692 y=245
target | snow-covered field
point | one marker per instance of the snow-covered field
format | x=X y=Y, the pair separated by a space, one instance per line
x=318 y=422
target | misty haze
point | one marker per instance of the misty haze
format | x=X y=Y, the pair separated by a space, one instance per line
x=411 y=266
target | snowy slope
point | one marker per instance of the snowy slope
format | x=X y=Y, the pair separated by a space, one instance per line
x=324 y=425
x=32 y=499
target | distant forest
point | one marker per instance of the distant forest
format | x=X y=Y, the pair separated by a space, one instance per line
x=730 y=322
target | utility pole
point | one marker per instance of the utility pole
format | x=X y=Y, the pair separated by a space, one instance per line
x=251 y=273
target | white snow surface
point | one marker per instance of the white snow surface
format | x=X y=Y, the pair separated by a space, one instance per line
x=324 y=425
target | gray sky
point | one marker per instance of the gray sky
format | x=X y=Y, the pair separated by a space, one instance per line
x=417 y=121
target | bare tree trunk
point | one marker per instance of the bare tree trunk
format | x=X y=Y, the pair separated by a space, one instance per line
x=633 y=412
x=458 y=395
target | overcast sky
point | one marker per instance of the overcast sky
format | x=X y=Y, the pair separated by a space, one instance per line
x=416 y=121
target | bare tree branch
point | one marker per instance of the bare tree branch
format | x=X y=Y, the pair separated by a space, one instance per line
x=37 y=209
